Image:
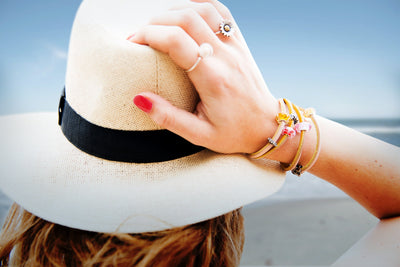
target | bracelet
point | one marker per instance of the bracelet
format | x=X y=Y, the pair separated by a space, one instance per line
x=296 y=158
x=282 y=119
x=297 y=121
x=287 y=132
x=299 y=169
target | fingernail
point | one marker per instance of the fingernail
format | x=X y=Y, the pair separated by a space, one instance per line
x=130 y=37
x=143 y=103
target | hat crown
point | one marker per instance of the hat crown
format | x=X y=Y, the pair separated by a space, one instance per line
x=64 y=179
x=105 y=71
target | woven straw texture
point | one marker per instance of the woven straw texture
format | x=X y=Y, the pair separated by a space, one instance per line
x=42 y=171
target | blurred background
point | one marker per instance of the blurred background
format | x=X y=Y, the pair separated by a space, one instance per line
x=341 y=57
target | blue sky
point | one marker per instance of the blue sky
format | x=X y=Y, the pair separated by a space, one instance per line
x=340 y=56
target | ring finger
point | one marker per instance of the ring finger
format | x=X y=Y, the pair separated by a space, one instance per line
x=214 y=13
x=207 y=12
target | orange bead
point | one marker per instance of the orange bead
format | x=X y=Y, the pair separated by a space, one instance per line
x=282 y=117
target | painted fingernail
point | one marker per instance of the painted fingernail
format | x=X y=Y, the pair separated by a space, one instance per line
x=143 y=103
x=130 y=37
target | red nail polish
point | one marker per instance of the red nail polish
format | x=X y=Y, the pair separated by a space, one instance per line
x=143 y=103
x=130 y=37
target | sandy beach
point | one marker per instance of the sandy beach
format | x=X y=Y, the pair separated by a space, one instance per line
x=303 y=232
x=4 y=205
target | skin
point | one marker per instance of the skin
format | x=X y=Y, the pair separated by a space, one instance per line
x=236 y=112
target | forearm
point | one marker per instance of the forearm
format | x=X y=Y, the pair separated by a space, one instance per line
x=366 y=168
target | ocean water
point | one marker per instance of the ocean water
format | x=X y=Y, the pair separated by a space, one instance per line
x=308 y=186
x=387 y=130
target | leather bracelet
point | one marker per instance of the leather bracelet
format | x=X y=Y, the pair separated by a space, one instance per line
x=284 y=137
x=282 y=119
x=293 y=164
x=289 y=124
x=299 y=170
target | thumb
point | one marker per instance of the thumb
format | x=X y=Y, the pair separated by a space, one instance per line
x=179 y=121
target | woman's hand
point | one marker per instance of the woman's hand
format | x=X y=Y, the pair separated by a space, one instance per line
x=236 y=112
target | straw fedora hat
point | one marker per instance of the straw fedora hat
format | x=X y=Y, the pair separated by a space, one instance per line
x=109 y=167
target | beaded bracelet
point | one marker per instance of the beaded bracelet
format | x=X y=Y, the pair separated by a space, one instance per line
x=282 y=119
x=299 y=169
x=296 y=121
x=292 y=165
x=286 y=133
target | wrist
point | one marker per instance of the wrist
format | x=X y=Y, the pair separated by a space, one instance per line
x=266 y=127
x=287 y=151
x=300 y=150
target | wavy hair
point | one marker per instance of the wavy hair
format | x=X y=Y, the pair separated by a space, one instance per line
x=27 y=240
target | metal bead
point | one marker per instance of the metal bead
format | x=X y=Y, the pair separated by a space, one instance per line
x=272 y=142
x=294 y=118
x=297 y=170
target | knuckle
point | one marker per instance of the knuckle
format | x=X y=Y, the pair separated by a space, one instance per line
x=166 y=120
x=222 y=83
x=206 y=9
x=176 y=36
x=187 y=17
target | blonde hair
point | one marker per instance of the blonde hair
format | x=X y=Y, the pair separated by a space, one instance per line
x=27 y=240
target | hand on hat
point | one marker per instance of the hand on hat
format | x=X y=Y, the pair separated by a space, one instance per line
x=236 y=110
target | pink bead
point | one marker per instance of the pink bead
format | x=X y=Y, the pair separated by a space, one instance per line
x=289 y=131
x=302 y=126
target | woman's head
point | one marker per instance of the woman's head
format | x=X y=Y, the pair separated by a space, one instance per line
x=110 y=168
x=27 y=240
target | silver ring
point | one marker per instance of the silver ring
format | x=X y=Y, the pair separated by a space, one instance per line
x=205 y=50
x=226 y=28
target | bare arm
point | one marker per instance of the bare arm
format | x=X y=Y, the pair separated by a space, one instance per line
x=365 y=168
x=236 y=112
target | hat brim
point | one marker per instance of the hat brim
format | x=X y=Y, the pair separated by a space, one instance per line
x=48 y=176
